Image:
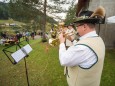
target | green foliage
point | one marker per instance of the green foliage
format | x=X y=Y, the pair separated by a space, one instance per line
x=71 y=15
x=23 y=12
x=4 y=11
x=11 y=29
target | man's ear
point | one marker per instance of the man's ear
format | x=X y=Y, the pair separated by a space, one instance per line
x=85 y=27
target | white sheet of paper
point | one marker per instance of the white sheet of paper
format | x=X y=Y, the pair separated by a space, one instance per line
x=19 y=54
x=27 y=48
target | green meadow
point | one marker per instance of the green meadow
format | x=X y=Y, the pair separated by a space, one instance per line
x=44 y=68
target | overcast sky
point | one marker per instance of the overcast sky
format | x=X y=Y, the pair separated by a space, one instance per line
x=63 y=15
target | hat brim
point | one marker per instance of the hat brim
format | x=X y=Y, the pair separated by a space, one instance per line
x=88 y=20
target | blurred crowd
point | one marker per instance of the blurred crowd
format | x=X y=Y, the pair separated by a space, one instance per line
x=7 y=39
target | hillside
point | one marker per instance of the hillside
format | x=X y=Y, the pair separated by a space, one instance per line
x=22 y=13
x=4 y=11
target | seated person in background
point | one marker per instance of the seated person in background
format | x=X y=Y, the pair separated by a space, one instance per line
x=2 y=41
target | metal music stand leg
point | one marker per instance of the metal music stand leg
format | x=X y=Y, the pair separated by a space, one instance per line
x=26 y=71
x=25 y=66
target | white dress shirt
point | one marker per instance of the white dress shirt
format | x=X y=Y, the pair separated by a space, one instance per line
x=77 y=55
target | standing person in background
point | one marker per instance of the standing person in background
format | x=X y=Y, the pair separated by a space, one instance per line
x=27 y=36
x=32 y=35
x=84 y=60
x=4 y=35
x=23 y=35
x=18 y=37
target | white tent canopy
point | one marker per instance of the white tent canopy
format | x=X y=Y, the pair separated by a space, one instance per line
x=110 y=20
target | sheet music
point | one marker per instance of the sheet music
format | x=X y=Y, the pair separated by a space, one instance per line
x=18 y=55
x=27 y=48
x=21 y=53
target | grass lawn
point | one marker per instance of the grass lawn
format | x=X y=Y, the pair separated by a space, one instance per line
x=44 y=68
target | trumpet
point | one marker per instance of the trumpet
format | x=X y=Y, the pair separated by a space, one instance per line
x=62 y=29
x=55 y=41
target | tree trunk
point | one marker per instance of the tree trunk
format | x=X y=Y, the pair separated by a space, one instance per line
x=44 y=22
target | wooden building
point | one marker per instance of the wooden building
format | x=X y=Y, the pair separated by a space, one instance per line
x=107 y=31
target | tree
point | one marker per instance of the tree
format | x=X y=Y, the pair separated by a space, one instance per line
x=71 y=15
x=4 y=11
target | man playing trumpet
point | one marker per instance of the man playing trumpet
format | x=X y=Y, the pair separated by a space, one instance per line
x=84 y=60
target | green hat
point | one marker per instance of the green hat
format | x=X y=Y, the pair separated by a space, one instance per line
x=96 y=17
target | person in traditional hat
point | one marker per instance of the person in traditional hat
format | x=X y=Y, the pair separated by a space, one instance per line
x=84 y=61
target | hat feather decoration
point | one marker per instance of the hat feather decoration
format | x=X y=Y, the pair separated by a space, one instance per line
x=96 y=17
x=99 y=12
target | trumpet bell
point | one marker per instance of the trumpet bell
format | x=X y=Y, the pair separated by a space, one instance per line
x=54 y=42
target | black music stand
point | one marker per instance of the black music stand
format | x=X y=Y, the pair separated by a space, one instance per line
x=22 y=49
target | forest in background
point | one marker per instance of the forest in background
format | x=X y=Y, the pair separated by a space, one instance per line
x=22 y=12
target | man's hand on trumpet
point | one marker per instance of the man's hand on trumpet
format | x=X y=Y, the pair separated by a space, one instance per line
x=69 y=38
x=61 y=38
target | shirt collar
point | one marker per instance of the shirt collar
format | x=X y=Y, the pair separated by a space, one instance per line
x=90 y=34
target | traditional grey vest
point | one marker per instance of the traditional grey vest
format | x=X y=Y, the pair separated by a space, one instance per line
x=78 y=76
